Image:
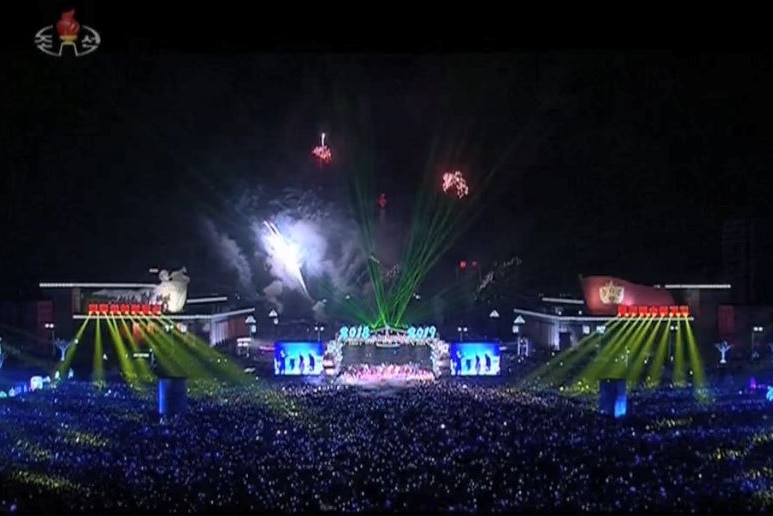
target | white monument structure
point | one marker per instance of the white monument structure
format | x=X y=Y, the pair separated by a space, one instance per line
x=171 y=292
x=723 y=348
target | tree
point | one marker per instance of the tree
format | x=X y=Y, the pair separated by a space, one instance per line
x=723 y=348
x=63 y=345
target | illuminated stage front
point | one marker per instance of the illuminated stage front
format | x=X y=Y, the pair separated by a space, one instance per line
x=388 y=337
x=386 y=357
x=376 y=376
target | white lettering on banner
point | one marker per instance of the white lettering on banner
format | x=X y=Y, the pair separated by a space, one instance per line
x=363 y=333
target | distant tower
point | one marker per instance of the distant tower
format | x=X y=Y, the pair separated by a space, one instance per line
x=388 y=239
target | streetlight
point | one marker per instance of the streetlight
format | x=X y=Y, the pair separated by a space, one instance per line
x=252 y=323
x=50 y=326
x=462 y=331
x=600 y=331
x=274 y=315
x=517 y=322
x=755 y=329
x=319 y=329
x=672 y=329
x=493 y=319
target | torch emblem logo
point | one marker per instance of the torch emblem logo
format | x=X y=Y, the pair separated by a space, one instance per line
x=69 y=34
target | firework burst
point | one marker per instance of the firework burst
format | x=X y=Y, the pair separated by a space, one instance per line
x=454 y=183
x=285 y=254
x=322 y=152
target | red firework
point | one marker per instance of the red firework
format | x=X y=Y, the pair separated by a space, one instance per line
x=454 y=182
x=322 y=152
x=382 y=201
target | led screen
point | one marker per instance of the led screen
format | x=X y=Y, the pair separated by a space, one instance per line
x=474 y=358
x=298 y=358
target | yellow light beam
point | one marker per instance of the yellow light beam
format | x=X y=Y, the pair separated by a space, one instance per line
x=696 y=361
x=127 y=364
x=143 y=368
x=643 y=356
x=64 y=367
x=623 y=356
x=655 y=373
x=562 y=364
x=98 y=369
x=599 y=364
x=165 y=361
x=679 y=374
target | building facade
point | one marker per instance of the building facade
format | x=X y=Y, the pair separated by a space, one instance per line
x=559 y=323
x=213 y=318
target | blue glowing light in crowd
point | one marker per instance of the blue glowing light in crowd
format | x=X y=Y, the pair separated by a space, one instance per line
x=621 y=406
x=754 y=386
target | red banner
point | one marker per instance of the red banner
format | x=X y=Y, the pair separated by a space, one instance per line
x=603 y=294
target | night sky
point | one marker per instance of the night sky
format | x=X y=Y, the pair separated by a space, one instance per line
x=622 y=163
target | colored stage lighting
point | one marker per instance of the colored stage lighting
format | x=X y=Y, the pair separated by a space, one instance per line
x=145 y=309
x=653 y=311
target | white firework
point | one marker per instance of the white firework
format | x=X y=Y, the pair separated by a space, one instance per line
x=303 y=241
x=284 y=254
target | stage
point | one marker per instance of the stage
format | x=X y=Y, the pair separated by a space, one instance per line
x=384 y=376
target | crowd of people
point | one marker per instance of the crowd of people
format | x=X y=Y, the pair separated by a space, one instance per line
x=380 y=374
x=437 y=446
